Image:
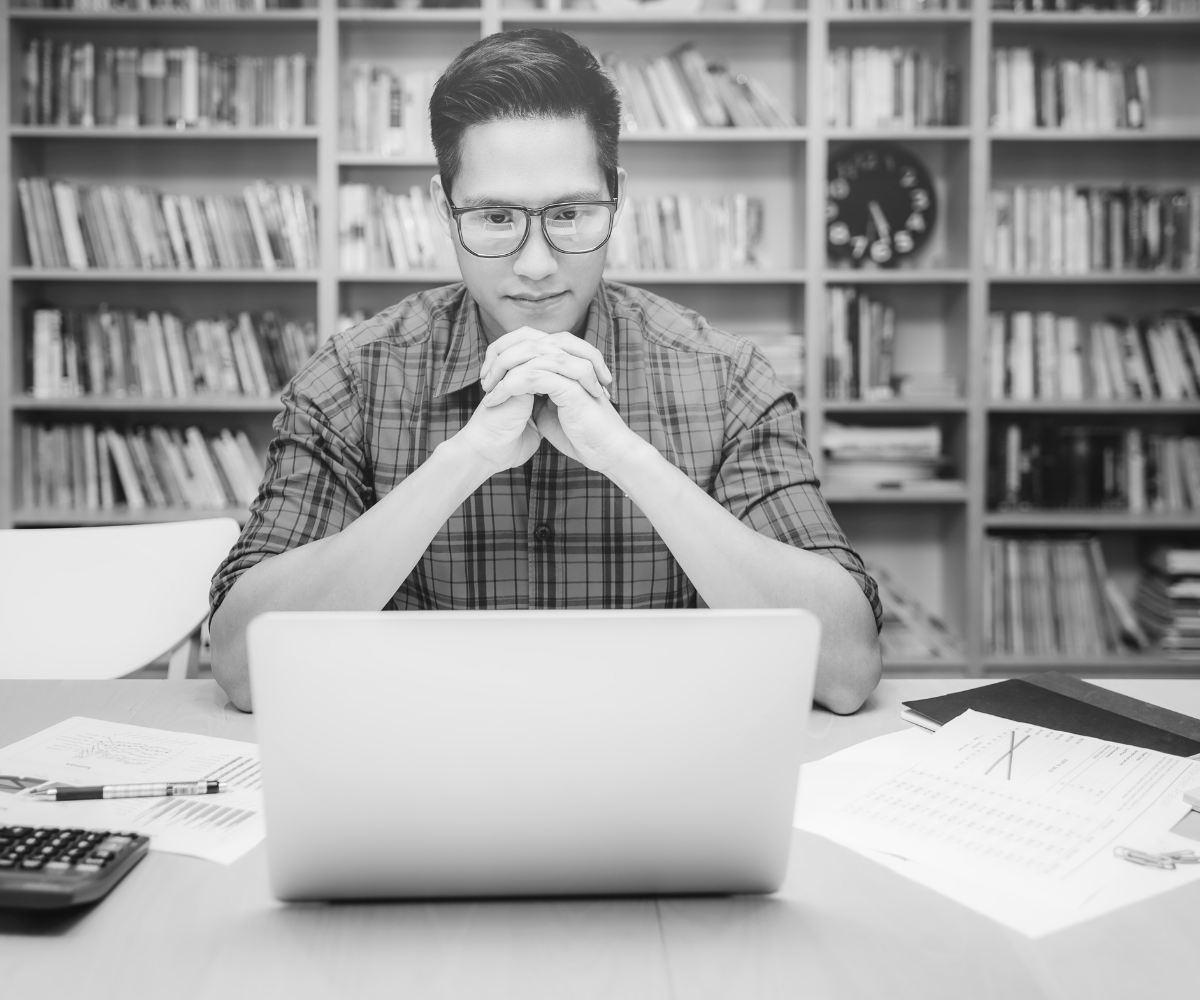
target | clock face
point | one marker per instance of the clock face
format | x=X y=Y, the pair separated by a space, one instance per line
x=880 y=205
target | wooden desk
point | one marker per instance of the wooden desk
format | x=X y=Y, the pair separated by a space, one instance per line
x=840 y=927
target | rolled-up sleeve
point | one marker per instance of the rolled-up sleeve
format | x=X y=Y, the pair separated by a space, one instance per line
x=767 y=479
x=317 y=476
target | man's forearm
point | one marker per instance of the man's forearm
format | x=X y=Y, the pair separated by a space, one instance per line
x=733 y=566
x=357 y=569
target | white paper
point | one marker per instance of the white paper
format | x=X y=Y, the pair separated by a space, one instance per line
x=829 y=785
x=81 y=751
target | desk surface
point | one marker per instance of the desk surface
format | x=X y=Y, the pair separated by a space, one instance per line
x=840 y=927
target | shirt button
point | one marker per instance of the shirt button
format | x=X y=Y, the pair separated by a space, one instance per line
x=542 y=532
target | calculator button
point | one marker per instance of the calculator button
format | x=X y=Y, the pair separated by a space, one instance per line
x=33 y=863
x=58 y=866
x=86 y=868
x=8 y=863
x=20 y=849
x=30 y=841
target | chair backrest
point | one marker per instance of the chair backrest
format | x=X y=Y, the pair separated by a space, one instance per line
x=93 y=603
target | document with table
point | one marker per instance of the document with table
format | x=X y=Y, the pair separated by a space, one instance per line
x=1017 y=821
x=82 y=751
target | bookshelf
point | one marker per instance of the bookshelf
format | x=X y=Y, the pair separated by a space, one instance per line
x=934 y=542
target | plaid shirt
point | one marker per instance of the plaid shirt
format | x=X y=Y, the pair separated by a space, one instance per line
x=369 y=408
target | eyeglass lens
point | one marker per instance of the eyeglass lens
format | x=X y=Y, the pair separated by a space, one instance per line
x=494 y=232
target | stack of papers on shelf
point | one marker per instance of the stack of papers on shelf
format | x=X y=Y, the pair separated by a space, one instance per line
x=1018 y=822
x=927 y=385
x=82 y=752
x=873 y=457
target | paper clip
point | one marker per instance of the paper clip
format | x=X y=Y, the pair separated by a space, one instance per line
x=1163 y=861
x=1182 y=857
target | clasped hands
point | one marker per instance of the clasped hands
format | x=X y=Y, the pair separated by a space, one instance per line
x=546 y=385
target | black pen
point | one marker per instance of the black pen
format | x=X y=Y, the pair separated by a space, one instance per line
x=142 y=791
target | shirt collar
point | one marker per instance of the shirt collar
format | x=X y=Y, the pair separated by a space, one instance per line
x=468 y=344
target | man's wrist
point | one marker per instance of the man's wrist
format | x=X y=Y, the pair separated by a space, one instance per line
x=460 y=454
x=633 y=463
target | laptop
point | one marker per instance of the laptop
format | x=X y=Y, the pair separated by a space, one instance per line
x=530 y=753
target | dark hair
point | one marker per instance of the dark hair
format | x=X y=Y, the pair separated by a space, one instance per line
x=530 y=73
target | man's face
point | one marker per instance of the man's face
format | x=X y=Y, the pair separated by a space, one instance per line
x=532 y=164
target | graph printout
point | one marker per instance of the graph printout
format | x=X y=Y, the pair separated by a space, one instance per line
x=1021 y=807
x=81 y=751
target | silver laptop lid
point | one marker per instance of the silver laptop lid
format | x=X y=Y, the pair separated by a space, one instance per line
x=482 y=753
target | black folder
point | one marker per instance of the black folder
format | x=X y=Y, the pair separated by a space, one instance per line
x=1058 y=701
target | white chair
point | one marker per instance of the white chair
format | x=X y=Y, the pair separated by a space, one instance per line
x=93 y=603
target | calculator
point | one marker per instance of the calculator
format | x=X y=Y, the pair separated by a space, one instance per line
x=46 y=867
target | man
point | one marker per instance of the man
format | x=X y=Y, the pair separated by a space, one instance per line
x=535 y=437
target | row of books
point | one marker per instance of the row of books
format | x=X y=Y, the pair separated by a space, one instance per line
x=861 y=337
x=1031 y=90
x=910 y=630
x=689 y=233
x=381 y=231
x=1053 y=596
x=1045 y=356
x=1046 y=466
x=1064 y=229
x=123 y=353
x=1168 y=600
x=125 y=227
x=1142 y=7
x=869 y=87
x=884 y=457
x=385 y=111
x=83 y=467
x=73 y=83
x=683 y=92
x=183 y=5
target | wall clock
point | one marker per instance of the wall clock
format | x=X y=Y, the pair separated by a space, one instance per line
x=880 y=205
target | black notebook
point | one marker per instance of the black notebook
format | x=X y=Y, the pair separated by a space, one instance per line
x=1058 y=701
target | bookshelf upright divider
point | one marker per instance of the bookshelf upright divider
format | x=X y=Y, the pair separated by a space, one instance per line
x=936 y=544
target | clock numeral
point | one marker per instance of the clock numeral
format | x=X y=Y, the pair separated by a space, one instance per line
x=859 y=246
x=839 y=234
x=908 y=178
x=903 y=241
x=920 y=199
x=839 y=188
x=916 y=222
x=881 y=252
x=831 y=211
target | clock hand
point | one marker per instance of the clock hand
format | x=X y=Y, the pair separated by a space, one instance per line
x=880 y=220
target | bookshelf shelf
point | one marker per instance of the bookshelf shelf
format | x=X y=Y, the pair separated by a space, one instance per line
x=707 y=277
x=376 y=160
x=305 y=134
x=1117 y=135
x=188 y=277
x=858 y=406
x=65 y=517
x=899 y=496
x=1090 y=520
x=874 y=17
x=935 y=542
x=1145 y=665
x=756 y=135
x=932 y=133
x=168 y=16
x=1099 y=278
x=906 y=276
x=730 y=18
x=150 y=405
x=442 y=15
x=1113 y=19
x=1124 y=407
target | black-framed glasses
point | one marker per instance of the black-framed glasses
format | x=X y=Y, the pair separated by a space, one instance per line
x=501 y=230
